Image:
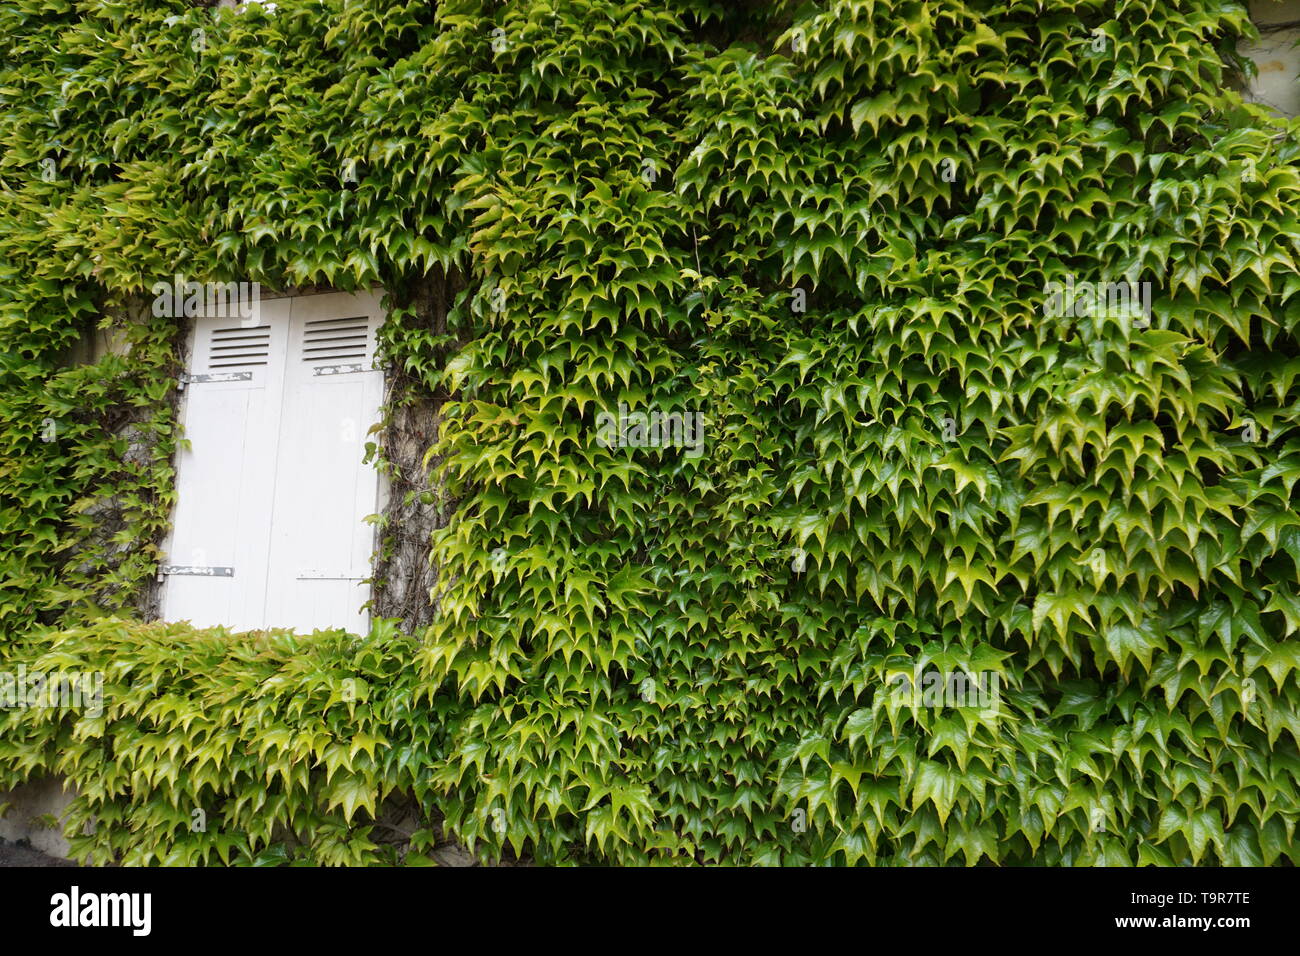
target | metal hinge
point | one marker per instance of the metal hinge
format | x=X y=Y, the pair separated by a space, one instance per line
x=313 y=574
x=197 y=570
x=337 y=369
x=214 y=377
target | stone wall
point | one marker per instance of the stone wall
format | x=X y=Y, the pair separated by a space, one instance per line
x=31 y=815
x=1276 y=55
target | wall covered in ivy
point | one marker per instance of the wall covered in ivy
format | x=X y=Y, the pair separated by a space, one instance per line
x=775 y=358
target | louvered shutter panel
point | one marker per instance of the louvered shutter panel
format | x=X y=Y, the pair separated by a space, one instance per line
x=217 y=555
x=321 y=544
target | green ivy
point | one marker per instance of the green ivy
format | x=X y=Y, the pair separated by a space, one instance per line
x=830 y=230
x=207 y=748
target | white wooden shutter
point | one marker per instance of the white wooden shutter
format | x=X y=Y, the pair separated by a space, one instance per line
x=269 y=527
x=321 y=544
x=218 y=553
